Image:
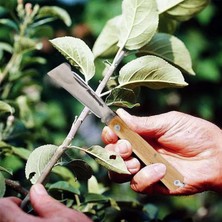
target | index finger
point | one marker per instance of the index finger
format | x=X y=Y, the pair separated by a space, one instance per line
x=15 y=200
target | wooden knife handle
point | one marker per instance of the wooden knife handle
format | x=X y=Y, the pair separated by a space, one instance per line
x=146 y=153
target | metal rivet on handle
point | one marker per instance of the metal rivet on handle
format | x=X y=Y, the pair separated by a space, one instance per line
x=117 y=127
x=178 y=183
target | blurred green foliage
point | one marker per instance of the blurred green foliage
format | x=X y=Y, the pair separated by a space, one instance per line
x=43 y=114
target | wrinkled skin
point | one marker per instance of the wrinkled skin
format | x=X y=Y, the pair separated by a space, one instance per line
x=192 y=145
x=47 y=209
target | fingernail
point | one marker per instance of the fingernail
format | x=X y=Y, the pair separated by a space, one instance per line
x=39 y=189
x=108 y=135
x=122 y=146
x=133 y=165
x=160 y=169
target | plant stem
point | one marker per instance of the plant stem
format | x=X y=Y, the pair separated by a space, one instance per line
x=9 y=66
x=22 y=29
x=76 y=124
x=78 y=203
x=16 y=186
x=15 y=55
x=118 y=58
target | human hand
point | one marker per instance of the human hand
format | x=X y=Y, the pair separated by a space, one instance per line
x=192 y=145
x=46 y=208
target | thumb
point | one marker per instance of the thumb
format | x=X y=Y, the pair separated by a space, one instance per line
x=42 y=203
x=47 y=207
x=148 y=176
x=154 y=126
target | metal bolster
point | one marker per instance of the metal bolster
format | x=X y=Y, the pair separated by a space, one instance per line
x=107 y=118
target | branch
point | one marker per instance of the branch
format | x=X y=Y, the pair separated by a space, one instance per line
x=16 y=186
x=118 y=58
x=76 y=124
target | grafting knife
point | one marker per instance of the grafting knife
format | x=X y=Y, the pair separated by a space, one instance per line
x=64 y=76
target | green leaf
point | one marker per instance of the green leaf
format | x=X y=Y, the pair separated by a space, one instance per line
x=21 y=152
x=95 y=187
x=37 y=161
x=208 y=70
x=96 y=198
x=187 y=9
x=110 y=160
x=207 y=15
x=56 y=12
x=26 y=114
x=6 y=108
x=139 y=23
x=64 y=187
x=152 y=210
x=2 y=185
x=17 y=151
x=6 y=47
x=122 y=97
x=77 y=53
x=28 y=72
x=171 y=49
x=24 y=44
x=106 y=43
x=80 y=168
x=5 y=146
x=167 y=4
x=9 y=23
x=31 y=61
x=152 y=72
x=66 y=174
x=3 y=169
x=167 y=24
x=9 y=5
x=44 y=31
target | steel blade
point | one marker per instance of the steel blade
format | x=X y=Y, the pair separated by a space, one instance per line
x=71 y=82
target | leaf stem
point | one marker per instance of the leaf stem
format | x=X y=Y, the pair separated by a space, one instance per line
x=105 y=93
x=78 y=203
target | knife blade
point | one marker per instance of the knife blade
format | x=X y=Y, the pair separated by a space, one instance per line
x=64 y=76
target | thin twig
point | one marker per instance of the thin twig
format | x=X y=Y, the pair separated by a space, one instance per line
x=16 y=186
x=118 y=58
x=77 y=123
